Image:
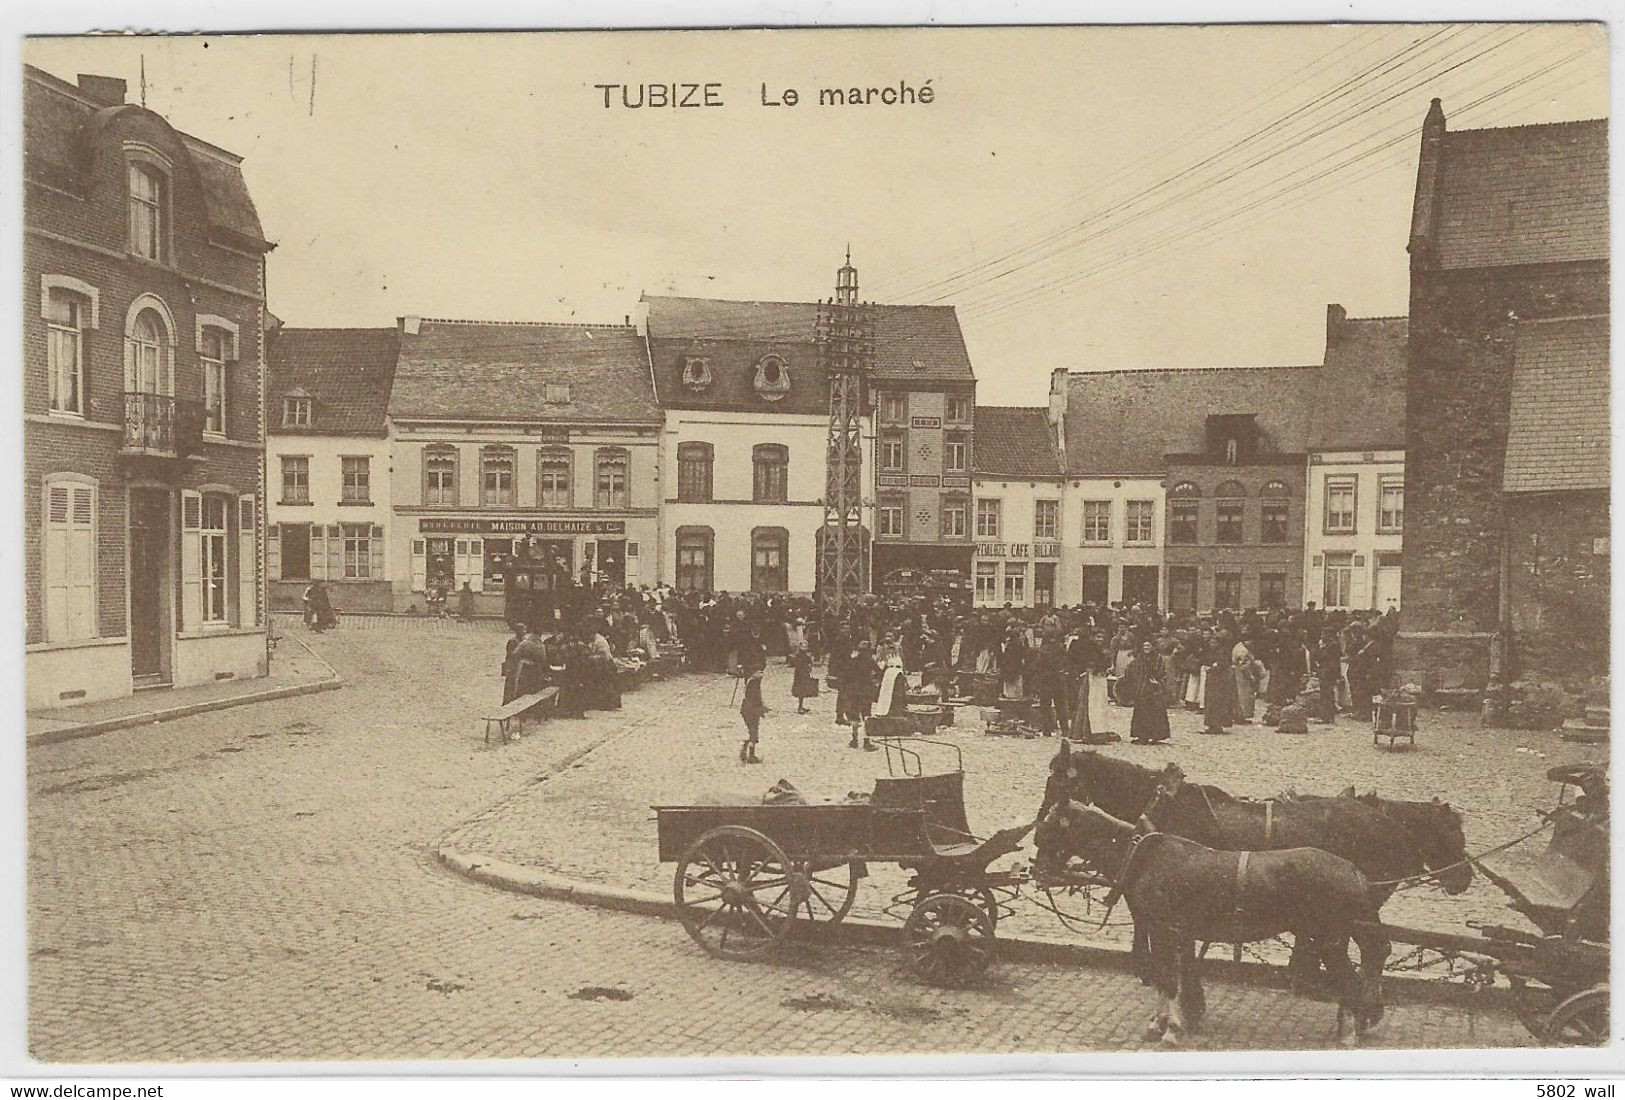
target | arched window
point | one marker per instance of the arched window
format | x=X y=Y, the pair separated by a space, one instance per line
x=555 y=478
x=771 y=462
x=694 y=471
x=694 y=547
x=1229 y=511
x=611 y=466
x=440 y=474
x=150 y=354
x=496 y=477
x=769 y=559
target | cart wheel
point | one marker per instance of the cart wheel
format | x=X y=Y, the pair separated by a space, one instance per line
x=733 y=890
x=825 y=897
x=949 y=939
x=1580 y=1021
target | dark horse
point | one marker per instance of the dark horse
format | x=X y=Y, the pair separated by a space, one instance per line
x=1181 y=891
x=1386 y=840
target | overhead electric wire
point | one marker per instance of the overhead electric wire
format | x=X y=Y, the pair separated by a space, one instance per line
x=1236 y=148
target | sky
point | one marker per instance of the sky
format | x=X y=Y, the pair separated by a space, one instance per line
x=1087 y=198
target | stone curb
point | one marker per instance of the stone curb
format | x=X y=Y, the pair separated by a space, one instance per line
x=520 y=879
x=331 y=682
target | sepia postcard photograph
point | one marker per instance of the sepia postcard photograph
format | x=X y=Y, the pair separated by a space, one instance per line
x=815 y=543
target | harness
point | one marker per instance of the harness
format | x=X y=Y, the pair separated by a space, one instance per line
x=1241 y=887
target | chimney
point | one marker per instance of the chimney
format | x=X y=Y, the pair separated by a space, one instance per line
x=640 y=317
x=1059 y=384
x=410 y=325
x=104 y=91
x=1425 y=205
x=1335 y=316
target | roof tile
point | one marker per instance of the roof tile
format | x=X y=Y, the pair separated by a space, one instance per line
x=1016 y=442
x=490 y=370
x=1558 y=435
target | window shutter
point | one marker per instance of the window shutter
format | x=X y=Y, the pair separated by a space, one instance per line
x=476 y=565
x=191 y=560
x=318 y=553
x=335 y=552
x=420 y=566
x=248 y=574
x=633 y=564
x=377 y=553
x=273 y=553
x=58 y=536
x=1357 y=582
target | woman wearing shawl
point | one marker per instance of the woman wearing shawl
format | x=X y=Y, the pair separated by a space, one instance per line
x=1143 y=688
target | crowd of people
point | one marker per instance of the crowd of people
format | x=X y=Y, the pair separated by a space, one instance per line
x=1072 y=664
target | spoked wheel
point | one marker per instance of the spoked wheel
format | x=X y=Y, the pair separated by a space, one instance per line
x=1580 y=1021
x=949 y=939
x=828 y=894
x=735 y=892
x=982 y=898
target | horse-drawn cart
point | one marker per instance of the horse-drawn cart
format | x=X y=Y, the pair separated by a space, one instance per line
x=1559 y=974
x=748 y=874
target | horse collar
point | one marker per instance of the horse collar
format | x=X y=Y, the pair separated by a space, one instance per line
x=1125 y=873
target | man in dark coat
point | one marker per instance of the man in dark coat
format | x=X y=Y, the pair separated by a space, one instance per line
x=860 y=685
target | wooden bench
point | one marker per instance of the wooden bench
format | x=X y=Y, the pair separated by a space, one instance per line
x=519 y=710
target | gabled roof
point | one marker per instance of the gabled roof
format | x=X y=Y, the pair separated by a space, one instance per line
x=1014 y=442
x=1359 y=403
x=60 y=125
x=1523 y=195
x=1558 y=435
x=500 y=371
x=912 y=343
x=347 y=372
x=1122 y=423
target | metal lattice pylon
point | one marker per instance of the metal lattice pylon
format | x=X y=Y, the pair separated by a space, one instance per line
x=846 y=349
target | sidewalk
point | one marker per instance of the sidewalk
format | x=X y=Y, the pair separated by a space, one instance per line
x=295 y=670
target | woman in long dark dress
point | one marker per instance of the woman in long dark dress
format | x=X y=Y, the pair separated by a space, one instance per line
x=1143 y=686
x=804 y=685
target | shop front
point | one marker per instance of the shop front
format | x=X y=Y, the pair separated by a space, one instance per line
x=497 y=557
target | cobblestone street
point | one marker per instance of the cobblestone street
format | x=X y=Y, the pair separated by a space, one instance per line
x=259 y=883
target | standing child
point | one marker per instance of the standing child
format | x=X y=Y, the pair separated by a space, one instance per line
x=751 y=710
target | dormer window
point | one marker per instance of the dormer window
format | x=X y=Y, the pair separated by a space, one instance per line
x=696 y=372
x=557 y=393
x=772 y=377
x=148 y=187
x=296 y=412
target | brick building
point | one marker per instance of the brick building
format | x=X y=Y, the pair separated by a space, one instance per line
x=923 y=394
x=1213 y=487
x=327 y=464
x=1506 y=543
x=516 y=439
x=1189 y=483
x=144 y=290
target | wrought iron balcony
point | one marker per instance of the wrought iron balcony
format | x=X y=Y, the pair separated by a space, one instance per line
x=162 y=426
